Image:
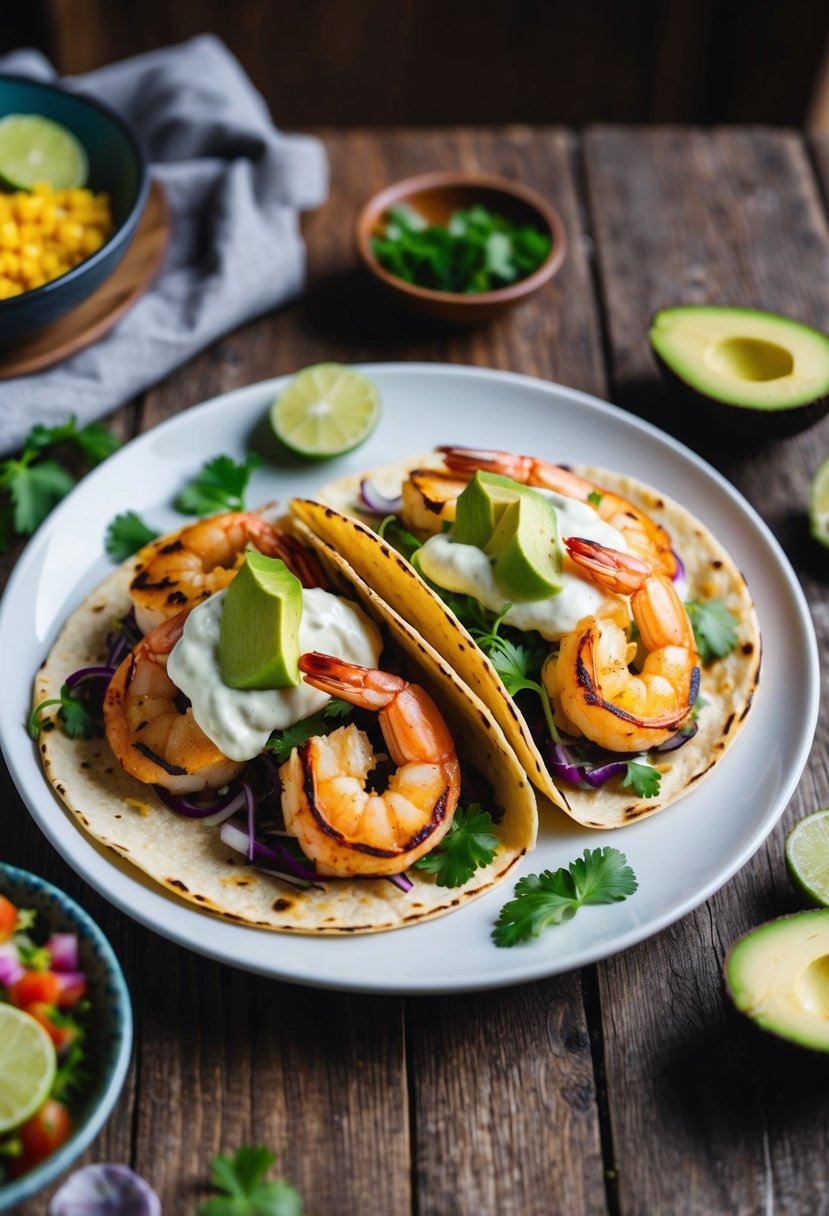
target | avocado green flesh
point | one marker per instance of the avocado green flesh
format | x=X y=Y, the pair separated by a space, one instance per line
x=518 y=529
x=743 y=357
x=778 y=974
x=259 y=629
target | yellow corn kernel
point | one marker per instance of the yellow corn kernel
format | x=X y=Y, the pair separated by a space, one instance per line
x=9 y=237
x=29 y=269
x=42 y=188
x=93 y=239
x=48 y=218
x=70 y=234
x=50 y=262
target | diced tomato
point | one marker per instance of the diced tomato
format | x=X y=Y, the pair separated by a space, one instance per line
x=36 y=987
x=45 y=1132
x=61 y=1036
x=8 y=918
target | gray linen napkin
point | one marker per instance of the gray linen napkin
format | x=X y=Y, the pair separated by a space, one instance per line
x=235 y=186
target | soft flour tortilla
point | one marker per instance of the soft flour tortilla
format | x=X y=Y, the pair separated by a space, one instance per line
x=190 y=860
x=727 y=685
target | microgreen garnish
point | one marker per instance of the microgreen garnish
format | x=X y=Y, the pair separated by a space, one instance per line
x=240 y=1179
x=602 y=876
x=715 y=628
x=126 y=534
x=283 y=742
x=394 y=534
x=219 y=486
x=469 y=844
x=643 y=778
x=79 y=717
x=32 y=484
x=477 y=251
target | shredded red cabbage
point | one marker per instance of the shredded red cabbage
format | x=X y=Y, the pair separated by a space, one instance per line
x=402 y=881
x=89 y=673
x=679 y=739
x=278 y=857
x=183 y=805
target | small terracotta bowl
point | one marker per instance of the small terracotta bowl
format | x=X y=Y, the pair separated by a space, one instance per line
x=435 y=196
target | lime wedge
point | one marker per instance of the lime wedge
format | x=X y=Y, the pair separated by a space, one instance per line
x=819 y=503
x=35 y=149
x=807 y=856
x=326 y=410
x=27 y=1066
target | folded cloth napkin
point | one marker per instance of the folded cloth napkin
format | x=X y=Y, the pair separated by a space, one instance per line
x=235 y=186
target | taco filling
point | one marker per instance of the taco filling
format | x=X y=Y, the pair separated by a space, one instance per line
x=613 y=637
x=289 y=753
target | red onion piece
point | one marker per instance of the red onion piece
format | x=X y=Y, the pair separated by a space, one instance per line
x=233 y=800
x=563 y=764
x=72 y=983
x=89 y=673
x=679 y=739
x=402 y=881
x=598 y=776
x=269 y=858
x=679 y=573
x=63 y=947
x=105 y=1190
x=11 y=969
x=379 y=503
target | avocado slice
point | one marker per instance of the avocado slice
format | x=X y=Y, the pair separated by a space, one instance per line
x=760 y=368
x=480 y=506
x=259 y=629
x=778 y=974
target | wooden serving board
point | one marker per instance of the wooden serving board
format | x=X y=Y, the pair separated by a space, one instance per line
x=104 y=308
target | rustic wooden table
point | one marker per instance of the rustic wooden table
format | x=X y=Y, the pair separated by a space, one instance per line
x=630 y=1087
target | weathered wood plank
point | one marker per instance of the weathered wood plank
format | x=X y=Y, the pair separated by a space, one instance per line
x=708 y=1115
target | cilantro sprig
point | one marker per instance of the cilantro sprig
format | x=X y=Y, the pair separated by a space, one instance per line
x=80 y=716
x=126 y=534
x=34 y=482
x=244 y=1192
x=283 y=742
x=219 y=486
x=515 y=661
x=601 y=876
x=469 y=844
x=715 y=628
x=643 y=778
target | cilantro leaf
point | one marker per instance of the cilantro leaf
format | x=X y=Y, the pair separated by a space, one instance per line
x=34 y=488
x=715 y=628
x=393 y=533
x=513 y=661
x=220 y=486
x=643 y=778
x=244 y=1193
x=94 y=440
x=601 y=876
x=282 y=743
x=126 y=534
x=469 y=844
x=79 y=715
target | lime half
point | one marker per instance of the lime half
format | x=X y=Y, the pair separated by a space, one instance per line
x=35 y=149
x=326 y=410
x=27 y=1066
x=819 y=503
x=807 y=856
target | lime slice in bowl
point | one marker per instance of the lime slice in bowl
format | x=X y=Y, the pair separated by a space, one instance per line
x=326 y=410
x=807 y=857
x=27 y=1066
x=35 y=149
x=819 y=503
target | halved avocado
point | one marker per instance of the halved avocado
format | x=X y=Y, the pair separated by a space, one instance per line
x=778 y=974
x=766 y=371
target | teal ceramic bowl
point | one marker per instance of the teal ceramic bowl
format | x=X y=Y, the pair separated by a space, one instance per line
x=116 y=165
x=110 y=1035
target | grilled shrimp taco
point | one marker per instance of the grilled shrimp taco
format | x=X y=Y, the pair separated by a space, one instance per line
x=352 y=785
x=605 y=627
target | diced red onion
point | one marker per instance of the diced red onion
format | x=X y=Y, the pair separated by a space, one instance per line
x=11 y=969
x=377 y=502
x=563 y=764
x=70 y=980
x=63 y=947
x=105 y=1190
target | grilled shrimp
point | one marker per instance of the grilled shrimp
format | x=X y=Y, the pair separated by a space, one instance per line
x=180 y=570
x=615 y=707
x=342 y=826
x=153 y=738
x=643 y=535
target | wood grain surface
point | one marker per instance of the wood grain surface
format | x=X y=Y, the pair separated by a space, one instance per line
x=630 y=1087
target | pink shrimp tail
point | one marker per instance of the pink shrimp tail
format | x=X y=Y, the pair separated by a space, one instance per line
x=616 y=571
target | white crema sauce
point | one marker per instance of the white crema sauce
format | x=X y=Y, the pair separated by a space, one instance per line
x=467 y=570
x=239 y=720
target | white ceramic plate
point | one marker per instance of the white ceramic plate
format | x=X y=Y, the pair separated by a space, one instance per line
x=680 y=857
